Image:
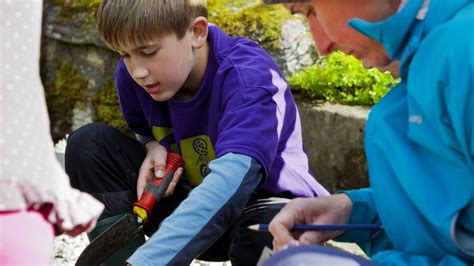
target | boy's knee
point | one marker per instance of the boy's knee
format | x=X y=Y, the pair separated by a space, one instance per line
x=86 y=138
x=89 y=134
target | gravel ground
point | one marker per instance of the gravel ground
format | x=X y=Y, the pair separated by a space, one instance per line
x=68 y=249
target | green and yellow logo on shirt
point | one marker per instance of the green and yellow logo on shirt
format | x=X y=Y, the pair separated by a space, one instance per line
x=197 y=152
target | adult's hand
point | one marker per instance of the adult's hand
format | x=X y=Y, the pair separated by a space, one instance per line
x=334 y=209
x=154 y=166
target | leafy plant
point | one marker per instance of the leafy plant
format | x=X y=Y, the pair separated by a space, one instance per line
x=342 y=78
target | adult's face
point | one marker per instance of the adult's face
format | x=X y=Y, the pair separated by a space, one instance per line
x=328 y=19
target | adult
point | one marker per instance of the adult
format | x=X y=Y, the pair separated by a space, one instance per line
x=419 y=138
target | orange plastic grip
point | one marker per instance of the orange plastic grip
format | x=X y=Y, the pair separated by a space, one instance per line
x=156 y=188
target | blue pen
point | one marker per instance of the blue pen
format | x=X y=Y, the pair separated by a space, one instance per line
x=324 y=227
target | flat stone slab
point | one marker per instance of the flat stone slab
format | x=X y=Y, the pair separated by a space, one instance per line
x=333 y=137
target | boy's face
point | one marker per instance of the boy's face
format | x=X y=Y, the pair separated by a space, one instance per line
x=162 y=67
x=328 y=19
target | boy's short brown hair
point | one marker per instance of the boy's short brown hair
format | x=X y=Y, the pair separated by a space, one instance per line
x=125 y=22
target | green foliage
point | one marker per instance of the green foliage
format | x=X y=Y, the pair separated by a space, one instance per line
x=107 y=108
x=252 y=19
x=214 y=5
x=69 y=90
x=342 y=78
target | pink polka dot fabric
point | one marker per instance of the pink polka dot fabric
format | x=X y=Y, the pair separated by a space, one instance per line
x=26 y=239
x=30 y=174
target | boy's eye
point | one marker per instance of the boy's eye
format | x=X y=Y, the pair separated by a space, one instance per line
x=123 y=55
x=148 y=52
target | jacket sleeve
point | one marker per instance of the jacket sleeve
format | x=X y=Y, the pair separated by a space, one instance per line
x=364 y=212
x=204 y=215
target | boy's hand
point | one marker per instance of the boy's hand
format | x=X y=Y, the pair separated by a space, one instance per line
x=334 y=209
x=154 y=166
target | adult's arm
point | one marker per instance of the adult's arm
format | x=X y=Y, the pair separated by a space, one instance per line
x=364 y=212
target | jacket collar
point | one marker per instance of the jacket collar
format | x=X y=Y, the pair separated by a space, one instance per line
x=391 y=32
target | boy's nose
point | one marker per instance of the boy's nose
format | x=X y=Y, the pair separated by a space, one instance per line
x=139 y=72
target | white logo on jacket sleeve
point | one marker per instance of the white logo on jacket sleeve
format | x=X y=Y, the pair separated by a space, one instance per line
x=416 y=119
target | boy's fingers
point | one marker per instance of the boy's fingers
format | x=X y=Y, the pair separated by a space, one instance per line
x=142 y=181
x=160 y=163
x=170 y=189
x=177 y=174
x=159 y=170
x=140 y=188
x=176 y=177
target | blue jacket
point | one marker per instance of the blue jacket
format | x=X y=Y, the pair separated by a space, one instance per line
x=420 y=140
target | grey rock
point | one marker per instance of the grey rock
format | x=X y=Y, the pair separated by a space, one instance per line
x=333 y=136
x=297 y=46
x=66 y=24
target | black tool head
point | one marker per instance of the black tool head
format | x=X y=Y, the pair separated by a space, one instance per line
x=116 y=236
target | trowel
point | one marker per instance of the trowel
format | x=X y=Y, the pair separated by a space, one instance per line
x=127 y=227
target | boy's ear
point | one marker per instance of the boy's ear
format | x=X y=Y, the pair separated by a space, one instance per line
x=200 y=29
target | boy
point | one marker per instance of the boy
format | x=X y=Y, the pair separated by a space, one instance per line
x=221 y=103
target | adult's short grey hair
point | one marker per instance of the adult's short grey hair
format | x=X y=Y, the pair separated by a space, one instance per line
x=284 y=1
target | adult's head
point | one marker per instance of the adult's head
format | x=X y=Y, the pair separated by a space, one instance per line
x=328 y=19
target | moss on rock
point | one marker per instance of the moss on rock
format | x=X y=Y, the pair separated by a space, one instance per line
x=66 y=92
x=105 y=103
x=69 y=91
x=78 y=6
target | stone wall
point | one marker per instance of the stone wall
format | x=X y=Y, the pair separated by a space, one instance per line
x=70 y=39
x=333 y=138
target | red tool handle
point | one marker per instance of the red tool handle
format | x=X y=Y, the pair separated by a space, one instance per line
x=156 y=188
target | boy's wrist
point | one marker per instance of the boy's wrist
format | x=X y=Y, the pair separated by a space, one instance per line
x=144 y=139
x=152 y=144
